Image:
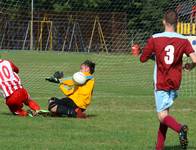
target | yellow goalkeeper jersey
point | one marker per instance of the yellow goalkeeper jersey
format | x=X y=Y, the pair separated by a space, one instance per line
x=81 y=95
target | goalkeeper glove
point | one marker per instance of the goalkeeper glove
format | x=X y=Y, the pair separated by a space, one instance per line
x=58 y=75
x=52 y=79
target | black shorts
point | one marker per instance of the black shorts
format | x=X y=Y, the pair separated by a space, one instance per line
x=66 y=102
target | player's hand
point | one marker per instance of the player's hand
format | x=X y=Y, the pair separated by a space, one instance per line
x=188 y=66
x=58 y=75
x=52 y=79
x=152 y=57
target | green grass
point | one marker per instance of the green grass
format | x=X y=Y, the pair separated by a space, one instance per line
x=121 y=117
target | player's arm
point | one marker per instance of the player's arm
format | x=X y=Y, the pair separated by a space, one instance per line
x=190 y=66
x=148 y=51
x=193 y=57
x=67 y=86
x=14 y=67
x=191 y=53
x=67 y=90
x=67 y=81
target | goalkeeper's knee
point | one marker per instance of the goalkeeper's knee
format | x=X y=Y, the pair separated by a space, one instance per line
x=52 y=103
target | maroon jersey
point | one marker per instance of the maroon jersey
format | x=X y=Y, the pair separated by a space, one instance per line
x=168 y=48
x=9 y=79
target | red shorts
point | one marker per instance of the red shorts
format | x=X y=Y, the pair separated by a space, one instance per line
x=17 y=99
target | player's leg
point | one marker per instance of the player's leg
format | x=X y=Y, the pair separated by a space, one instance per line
x=17 y=110
x=161 y=136
x=15 y=103
x=183 y=136
x=169 y=120
x=60 y=107
x=78 y=112
x=29 y=102
x=32 y=104
x=164 y=101
x=52 y=105
x=64 y=107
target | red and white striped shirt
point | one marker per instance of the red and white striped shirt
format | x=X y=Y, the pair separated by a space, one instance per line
x=9 y=79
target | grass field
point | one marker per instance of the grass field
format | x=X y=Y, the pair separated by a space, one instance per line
x=121 y=117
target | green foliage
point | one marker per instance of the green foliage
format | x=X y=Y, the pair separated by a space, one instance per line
x=71 y=5
x=146 y=16
x=143 y=16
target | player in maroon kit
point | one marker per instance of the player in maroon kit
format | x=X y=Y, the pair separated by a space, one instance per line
x=168 y=48
x=14 y=93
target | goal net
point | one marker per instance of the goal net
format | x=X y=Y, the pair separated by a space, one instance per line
x=45 y=36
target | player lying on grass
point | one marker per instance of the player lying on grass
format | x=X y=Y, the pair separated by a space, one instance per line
x=168 y=48
x=77 y=89
x=14 y=93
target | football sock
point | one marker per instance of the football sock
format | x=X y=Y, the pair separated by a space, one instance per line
x=21 y=112
x=33 y=105
x=161 y=136
x=172 y=123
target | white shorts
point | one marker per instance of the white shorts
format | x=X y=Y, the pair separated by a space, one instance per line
x=164 y=99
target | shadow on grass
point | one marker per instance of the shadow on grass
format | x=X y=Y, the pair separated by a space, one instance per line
x=91 y=116
x=177 y=147
x=7 y=114
x=57 y=116
x=47 y=115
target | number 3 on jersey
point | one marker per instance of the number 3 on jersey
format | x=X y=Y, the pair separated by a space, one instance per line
x=169 y=57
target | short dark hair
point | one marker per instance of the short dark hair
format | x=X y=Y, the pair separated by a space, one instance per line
x=90 y=64
x=171 y=17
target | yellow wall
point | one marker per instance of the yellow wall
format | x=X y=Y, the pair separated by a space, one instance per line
x=186 y=28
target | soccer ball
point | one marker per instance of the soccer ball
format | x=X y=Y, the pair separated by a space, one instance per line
x=79 y=78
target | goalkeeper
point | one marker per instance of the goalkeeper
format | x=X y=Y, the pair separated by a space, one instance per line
x=78 y=95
